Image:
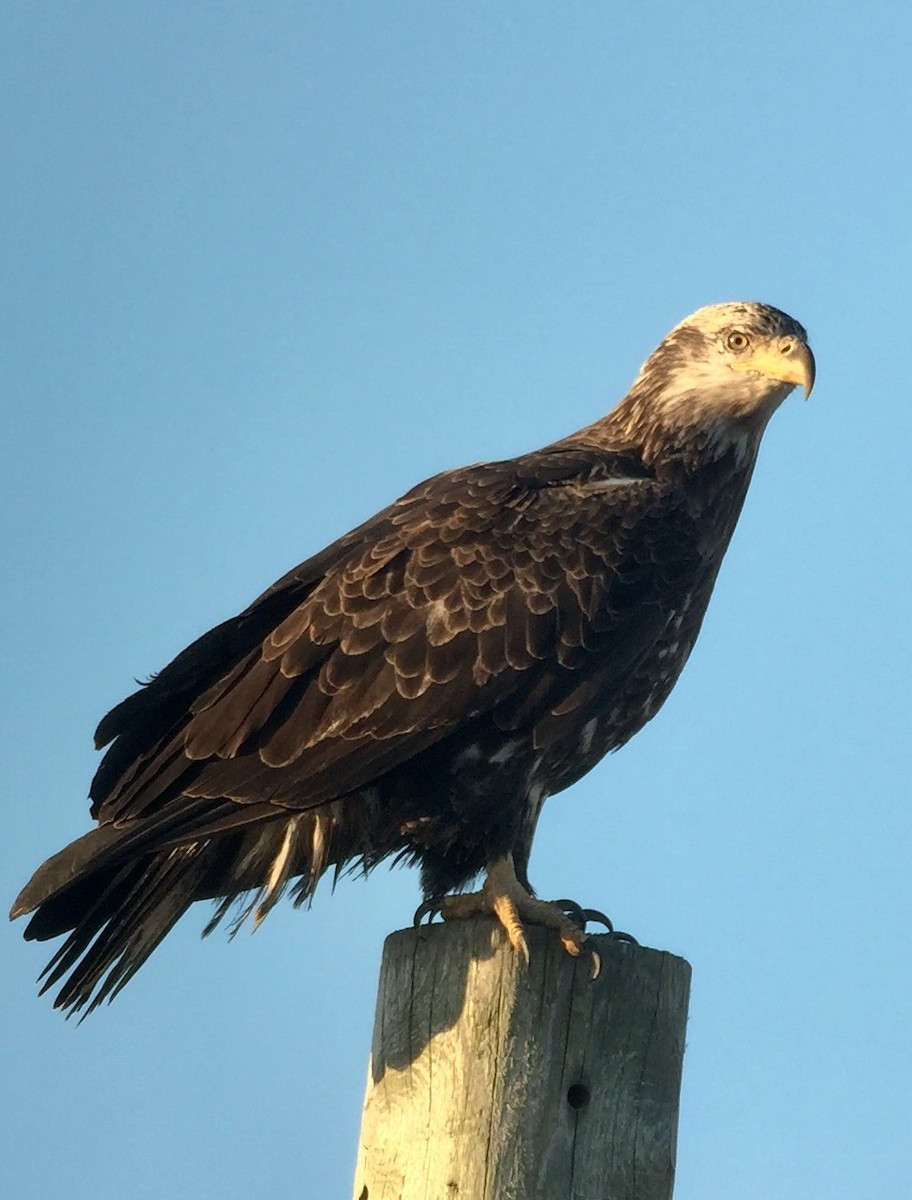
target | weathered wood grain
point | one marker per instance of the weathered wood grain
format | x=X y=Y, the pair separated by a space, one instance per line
x=491 y=1080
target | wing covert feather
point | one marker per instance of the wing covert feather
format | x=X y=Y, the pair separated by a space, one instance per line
x=490 y=587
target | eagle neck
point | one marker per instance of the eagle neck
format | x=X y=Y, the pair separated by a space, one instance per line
x=681 y=439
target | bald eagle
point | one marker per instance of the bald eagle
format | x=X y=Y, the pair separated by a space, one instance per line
x=416 y=690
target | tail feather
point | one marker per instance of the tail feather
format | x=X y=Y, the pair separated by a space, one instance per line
x=117 y=892
x=133 y=912
x=116 y=896
x=63 y=872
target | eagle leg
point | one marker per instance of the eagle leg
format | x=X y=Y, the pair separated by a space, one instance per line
x=504 y=897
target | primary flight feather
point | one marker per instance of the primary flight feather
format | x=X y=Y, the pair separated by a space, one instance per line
x=421 y=686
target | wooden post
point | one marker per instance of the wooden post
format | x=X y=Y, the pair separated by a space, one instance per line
x=491 y=1080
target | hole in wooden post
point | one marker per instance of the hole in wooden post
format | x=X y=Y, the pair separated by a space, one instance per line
x=577 y=1095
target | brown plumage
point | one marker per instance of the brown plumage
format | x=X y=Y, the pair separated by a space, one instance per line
x=418 y=688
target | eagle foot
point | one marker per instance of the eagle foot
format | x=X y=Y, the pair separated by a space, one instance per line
x=502 y=896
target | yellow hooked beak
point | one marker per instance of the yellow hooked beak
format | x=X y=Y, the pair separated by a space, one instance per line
x=786 y=359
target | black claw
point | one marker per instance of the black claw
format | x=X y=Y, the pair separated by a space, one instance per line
x=572 y=910
x=582 y=916
x=624 y=937
x=593 y=914
x=428 y=909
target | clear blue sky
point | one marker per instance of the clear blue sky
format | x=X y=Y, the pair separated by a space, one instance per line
x=264 y=267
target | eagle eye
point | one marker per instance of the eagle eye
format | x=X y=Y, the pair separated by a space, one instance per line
x=737 y=341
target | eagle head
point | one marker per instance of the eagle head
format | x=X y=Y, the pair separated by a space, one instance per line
x=721 y=373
